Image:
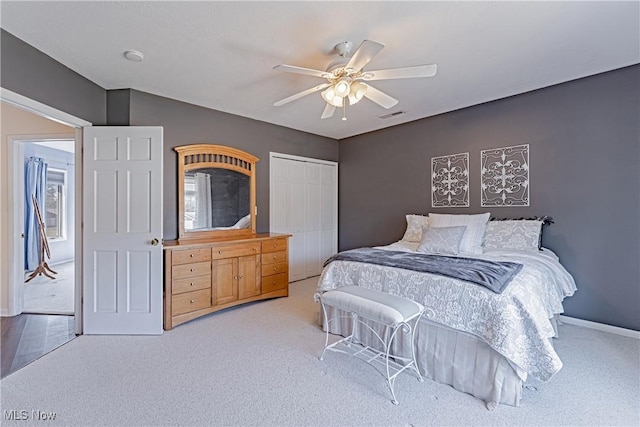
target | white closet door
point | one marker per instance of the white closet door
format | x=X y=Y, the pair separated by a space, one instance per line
x=328 y=212
x=279 y=195
x=303 y=199
x=313 y=205
x=296 y=226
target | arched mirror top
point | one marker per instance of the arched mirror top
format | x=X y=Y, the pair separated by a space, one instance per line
x=216 y=192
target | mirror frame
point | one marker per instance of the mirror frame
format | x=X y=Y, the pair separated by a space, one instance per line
x=198 y=156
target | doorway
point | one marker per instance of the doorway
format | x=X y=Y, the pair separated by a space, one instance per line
x=50 y=289
x=32 y=120
x=25 y=125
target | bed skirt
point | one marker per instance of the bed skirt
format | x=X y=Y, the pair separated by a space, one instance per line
x=449 y=357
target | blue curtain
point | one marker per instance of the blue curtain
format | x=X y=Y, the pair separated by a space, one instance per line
x=35 y=183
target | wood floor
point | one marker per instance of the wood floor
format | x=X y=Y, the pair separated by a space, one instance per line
x=26 y=337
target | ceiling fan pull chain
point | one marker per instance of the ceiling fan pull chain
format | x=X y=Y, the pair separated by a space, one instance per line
x=344 y=111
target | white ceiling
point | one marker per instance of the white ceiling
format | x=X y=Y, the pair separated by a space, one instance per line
x=221 y=55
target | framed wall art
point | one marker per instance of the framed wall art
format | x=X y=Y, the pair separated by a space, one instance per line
x=450 y=181
x=505 y=176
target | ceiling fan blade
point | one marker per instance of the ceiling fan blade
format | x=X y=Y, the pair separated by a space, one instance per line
x=365 y=53
x=380 y=98
x=401 y=73
x=300 y=94
x=302 y=70
x=328 y=111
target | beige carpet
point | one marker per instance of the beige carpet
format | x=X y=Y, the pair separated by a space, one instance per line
x=258 y=365
x=51 y=296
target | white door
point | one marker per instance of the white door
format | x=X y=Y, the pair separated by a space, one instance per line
x=122 y=230
x=328 y=212
x=313 y=212
x=303 y=200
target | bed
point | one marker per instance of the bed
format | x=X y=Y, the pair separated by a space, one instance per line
x=480 y=341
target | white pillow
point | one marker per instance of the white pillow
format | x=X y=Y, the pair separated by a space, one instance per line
x=415 y=223
x=441 y=240
x=519 y=235
x=473 y=236
x=244 y=222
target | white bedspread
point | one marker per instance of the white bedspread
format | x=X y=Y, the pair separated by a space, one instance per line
x=515 y=323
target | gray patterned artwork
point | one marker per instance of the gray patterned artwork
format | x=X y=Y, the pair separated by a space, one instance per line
x=450 y=181
x=505 y=176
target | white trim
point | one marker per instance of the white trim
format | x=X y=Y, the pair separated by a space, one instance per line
x=301 y=159
x=41 y=109
x=15 y=217
x=601 y=327
x=78 y=204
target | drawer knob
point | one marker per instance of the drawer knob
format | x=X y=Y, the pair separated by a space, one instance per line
x=191 y=255
x=191 y=269
x=275 y=268
x=192 y=301
x=191 y=283
x=255 y=249
x=220 y=252
x=275 y=257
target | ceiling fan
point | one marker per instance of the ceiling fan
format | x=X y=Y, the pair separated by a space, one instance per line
x=346 y=78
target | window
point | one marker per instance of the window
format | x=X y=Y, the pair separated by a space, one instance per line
x=189 y=201
x=55 y=212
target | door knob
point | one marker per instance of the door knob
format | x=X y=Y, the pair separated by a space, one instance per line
x=155 y=242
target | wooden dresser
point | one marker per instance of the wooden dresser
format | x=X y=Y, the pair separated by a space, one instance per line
x=204 y=276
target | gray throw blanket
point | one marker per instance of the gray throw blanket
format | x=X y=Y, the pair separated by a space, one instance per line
x=494 y=275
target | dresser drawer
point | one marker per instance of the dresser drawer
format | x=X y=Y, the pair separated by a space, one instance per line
x=274 y=257
x=190 y=301
x=230 y=251
x=189 y=284
x=191 y=270
x=280 y=267
x=274 y=245
x=190 y=255
x=275 y=282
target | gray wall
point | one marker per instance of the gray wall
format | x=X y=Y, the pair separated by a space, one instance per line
x=31 y=73
x=584 y=156
x=118 y=105
x=189 y=124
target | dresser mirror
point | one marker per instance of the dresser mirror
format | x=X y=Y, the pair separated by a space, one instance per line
x=216 y=192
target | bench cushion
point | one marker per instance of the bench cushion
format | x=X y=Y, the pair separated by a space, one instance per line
x=374 y=305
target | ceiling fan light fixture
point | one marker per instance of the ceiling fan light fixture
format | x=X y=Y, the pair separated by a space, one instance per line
x=357 y=92
x=346 y=78
x=342 y=87
x=329 y=95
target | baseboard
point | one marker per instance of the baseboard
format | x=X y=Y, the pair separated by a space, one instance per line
x=6 y=313
x=601 y=327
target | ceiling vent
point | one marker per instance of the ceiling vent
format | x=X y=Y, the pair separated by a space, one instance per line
x=387 y=116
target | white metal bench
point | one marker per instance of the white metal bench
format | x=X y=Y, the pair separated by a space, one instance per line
x=396 y=313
